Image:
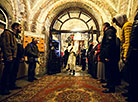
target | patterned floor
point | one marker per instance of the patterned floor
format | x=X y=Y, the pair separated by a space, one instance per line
x=65 y=88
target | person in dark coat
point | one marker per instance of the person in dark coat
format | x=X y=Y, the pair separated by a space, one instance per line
x=95 y=61
x=118 y=51
x=83 y=58
x=66 y=55
x=32 y=53
x=9 y=50
x=132 y=61
x=108 y=56
x=19 y=59
x=54 y=62
x=90 y=58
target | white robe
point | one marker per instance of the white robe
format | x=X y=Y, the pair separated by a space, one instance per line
x=71 y=61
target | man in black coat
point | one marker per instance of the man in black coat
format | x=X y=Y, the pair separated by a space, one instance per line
x=132 y=61
x=90 y=58
x=108 y=56
x=32 y=53
x=19 y=59
x=54 y=62
x=66 y=55
x=83 y=58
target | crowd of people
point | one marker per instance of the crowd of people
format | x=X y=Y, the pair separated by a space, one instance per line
x=72 y=58
x=103 y=59
x=12 y=54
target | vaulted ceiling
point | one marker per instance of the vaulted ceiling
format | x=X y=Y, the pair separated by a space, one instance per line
x=38 y=15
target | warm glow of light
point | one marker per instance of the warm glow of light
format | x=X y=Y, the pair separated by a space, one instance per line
x=77 y=36
x=76 y=29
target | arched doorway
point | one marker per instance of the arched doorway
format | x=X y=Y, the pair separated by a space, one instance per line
x=3 y=25
x=75 y=24
x=3 y=20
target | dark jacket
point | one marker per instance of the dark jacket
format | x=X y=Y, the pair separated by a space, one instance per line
x=133 y=37
x=83 y=52
x=31 y=51
x=108 y=45
x=20 y=49
x=90 y=50
x=118 y=51
x=90 y=53
x=8 y=44
x=134 y=33
x=66 y=54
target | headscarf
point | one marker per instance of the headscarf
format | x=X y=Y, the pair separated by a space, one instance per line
x=121 y=18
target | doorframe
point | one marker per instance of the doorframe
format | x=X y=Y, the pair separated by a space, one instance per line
x=54 y=31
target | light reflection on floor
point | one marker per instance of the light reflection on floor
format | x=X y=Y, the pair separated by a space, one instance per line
x=78 y=72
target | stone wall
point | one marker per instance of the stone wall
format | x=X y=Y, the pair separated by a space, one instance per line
x=37 y=15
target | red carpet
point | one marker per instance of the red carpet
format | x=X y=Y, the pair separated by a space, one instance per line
x=64 y=89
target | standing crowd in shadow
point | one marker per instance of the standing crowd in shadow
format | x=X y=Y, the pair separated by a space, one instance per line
x=114 y=58
x=12 y=54
x=103 y=59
